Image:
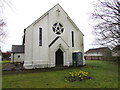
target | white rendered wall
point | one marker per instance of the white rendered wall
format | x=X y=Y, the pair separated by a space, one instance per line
x=28 y=48
x=18 y=57
x=43 y=56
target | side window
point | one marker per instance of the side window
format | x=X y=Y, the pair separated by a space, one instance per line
x=72 y=38
x=40 y=36
x=19 y=56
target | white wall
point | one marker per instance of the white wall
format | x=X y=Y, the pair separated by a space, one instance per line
x=29 y=46
x=17 y=57
x=41 y=55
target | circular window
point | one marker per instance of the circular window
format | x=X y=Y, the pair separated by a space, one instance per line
x=58 y=28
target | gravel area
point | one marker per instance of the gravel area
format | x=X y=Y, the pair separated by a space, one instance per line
x=20 y=70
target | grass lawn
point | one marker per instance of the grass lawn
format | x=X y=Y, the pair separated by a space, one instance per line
x=105 y=75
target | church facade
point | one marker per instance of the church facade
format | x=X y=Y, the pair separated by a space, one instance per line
x=51 y=40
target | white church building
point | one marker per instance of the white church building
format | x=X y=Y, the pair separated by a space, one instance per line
x=50 y=41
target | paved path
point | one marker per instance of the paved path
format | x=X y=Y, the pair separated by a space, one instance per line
x=37 y=70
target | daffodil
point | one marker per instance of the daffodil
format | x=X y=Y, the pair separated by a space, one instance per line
x=72 y=75
x=69 y=72
x=80 y=76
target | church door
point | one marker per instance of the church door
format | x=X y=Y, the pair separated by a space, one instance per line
x=59 y=57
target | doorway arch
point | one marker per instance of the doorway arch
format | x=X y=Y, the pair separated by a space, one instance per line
x=59 y=57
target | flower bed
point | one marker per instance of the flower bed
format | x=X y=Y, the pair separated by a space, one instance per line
x=78 y=76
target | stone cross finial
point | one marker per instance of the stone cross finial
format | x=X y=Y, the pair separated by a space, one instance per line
x=58 y=11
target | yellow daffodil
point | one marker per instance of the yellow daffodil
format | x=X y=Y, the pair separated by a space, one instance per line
x=72 y=75
x=80 y=76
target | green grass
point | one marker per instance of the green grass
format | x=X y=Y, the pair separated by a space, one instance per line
x=4 y=62
x=105 y=75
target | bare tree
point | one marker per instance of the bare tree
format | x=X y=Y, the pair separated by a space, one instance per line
x=3 y=32
x=2 y=21
x=107 y=22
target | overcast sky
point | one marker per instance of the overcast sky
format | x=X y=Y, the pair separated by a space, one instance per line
x=24 y=12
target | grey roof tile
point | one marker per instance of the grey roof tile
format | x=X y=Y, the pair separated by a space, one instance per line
x=17 y=48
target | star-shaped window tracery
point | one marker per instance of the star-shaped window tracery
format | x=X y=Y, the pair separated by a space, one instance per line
x=58 y=28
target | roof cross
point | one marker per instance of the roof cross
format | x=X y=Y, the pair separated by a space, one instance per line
x=58 y=11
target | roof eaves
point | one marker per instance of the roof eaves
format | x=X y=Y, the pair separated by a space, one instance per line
x=97 y=49
x=41 y=17
x=71 y=20
x=74 y=24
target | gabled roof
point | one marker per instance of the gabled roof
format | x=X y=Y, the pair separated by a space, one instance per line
x=101 y=49
x=17 y=49
x=56 y=40
x=53 y=41
x=41 y=16
x=48 y=13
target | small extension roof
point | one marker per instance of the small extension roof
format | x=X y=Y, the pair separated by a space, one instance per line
x=17 y=48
